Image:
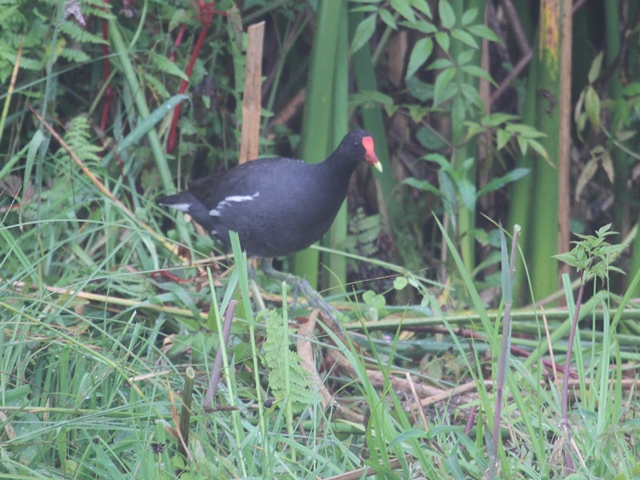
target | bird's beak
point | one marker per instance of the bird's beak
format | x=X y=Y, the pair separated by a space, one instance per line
x=370 y=153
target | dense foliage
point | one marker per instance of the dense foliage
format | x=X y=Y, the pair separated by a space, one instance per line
x=105 y=299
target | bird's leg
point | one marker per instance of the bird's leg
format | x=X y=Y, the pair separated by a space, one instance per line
x=301 y=285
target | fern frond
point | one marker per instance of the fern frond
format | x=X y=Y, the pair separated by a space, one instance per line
x=98 y=11
x=76 y=56
x=363 y=234
x=167 y=66
x=78 y=137
x=156 y=86
x=287 y=378
x=79 y=34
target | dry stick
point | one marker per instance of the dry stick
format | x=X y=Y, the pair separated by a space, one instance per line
x=216 y=370
x=517 y=70
x=185 y=414
x=252 y=100
x=170 y=247
x=516 y=27
x=550 y=346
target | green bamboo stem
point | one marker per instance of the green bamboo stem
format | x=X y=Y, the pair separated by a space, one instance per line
x=319 y=114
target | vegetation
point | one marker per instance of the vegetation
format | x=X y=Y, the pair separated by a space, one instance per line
x=119 y=355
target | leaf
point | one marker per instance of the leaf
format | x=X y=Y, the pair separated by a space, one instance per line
x=485 y=32
x=498 y=118
x=422 y=6
x=422 y=26
x=178 y=17
x=287 y=378
x=467 y=192
x=404 y=9
x=77 y=33
x=607 y=165
x=143 y=127
x=400 y=283
x=523 y=144
x=388 y=19
x=430 y=139
x=464 y=37
x=537 y=146
x=594 y=70
x=502 y=138
x=466 y=56
x=497 y=183
x=469 y=16
x=364 y=31
x=440 y=64
x=586 y=174
x=447 y=16
x=439 y=159
x=420 y=54
x=592 y=107
x=167 y=66
x=443 y=40
x=441 y=84
x=478 y=72
x=422 y=185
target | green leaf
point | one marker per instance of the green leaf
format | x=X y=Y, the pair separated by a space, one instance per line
x=592 y=107
x=388 y=19
x=364 y=31
x=420 y=54
x=485 y=32
x=477 y=72
x=441 y=85
x=400 y=283
x=447 y=16
x=502 y=138
x=467 y=192
x=79 y=34
x=440 y=64
x=466 y=56
x=497 y=183
x=464 y=37
x=422 y=185
x=178 y=17
x=469 y=16
x=537 y=146
x=496 y=119
x=594 y=70
x=443 y=40
x=421 y=26
x=523 y=143
x=143 y=127
x=404 y=9
x=167 y=66
x=422 y=6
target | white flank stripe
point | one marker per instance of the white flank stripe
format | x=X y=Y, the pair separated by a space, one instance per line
x=184 y=207
x=232 y=198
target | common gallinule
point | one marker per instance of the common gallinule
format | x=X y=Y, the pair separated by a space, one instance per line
x=278 y=206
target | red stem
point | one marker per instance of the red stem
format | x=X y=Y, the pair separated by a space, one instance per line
x=207 y=10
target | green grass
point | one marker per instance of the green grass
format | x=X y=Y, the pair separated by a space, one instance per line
x=95 y=350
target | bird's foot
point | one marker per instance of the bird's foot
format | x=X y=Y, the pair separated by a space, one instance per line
x=300 y=285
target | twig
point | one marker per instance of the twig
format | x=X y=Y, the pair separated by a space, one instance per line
x=216 y=370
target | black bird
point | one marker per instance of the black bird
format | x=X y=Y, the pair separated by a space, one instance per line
x=278 y=206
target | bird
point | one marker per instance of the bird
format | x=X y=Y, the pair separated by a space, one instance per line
x=278 y=206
